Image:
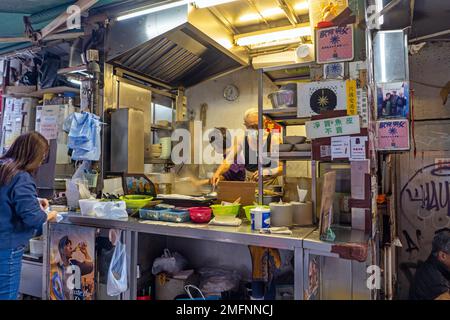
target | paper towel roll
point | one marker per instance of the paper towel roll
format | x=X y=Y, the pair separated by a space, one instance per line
x=281 y=214
x=302 y=213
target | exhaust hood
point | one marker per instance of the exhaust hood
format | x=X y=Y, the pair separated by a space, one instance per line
x=181 y=46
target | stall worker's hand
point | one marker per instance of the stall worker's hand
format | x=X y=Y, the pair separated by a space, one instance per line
x=83 y=248
x=51 y=216
x=44 y=203
x=215 y=180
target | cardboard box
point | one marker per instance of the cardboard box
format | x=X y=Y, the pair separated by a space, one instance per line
x=229 y=191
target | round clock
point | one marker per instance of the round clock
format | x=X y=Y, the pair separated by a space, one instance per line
x=231 y=92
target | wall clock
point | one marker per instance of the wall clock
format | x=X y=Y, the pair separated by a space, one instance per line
x=231 y=92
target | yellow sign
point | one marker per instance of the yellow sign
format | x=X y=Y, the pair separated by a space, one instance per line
x=352 y=99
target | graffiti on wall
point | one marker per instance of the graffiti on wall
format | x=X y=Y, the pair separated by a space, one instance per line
x=424 y=207
x=427 y=194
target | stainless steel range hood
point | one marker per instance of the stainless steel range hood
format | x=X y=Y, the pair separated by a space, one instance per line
x=181 y=46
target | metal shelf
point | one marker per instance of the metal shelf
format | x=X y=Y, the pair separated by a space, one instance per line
x=285 y=116
x=155 y=127
x=158 y=161
x=294 y=156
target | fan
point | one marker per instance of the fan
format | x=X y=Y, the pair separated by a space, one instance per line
x=54 y=30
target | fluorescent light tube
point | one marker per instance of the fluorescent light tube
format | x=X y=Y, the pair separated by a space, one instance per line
x=273 y=36
x=153 y=9
x=210 y=3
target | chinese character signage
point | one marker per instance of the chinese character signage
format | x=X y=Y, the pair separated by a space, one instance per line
x=334 y=44
x=352 y=99
x=318 y=97
x=71 y=259
x=363 y=110
x=393 y=135
x=331 y=127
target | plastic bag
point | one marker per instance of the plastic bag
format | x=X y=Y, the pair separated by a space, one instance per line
x=169 y=263
x=77 y=188
x=117 y=272
x=214 y=281
x=111 y=210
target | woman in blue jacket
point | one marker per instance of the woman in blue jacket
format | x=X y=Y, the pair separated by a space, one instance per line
x=21 y=212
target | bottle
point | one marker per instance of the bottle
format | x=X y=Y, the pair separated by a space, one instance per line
x=69 y=99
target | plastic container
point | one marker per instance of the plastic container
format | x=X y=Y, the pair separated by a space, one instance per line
x=87 y=207
x=37 y=247
x=228 y=212
x=282 y=99
x=260 y=218
x=136 y=201
x=152 y=214
x=175 y=215
x=248 y=208
x=200 y=214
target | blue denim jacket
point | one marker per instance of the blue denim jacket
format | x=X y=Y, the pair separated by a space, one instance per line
x=20 y=212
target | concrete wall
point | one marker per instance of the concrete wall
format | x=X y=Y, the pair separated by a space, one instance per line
x=423 y=198
x=230 y=114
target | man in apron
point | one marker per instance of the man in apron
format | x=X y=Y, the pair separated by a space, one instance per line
x=245 y=151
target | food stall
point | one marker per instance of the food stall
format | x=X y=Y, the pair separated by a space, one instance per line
x=150 y=210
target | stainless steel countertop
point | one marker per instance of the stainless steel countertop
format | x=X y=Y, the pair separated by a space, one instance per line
x=344 y=235
x=239 y=235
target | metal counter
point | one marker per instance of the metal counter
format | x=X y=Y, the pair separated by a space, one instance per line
x=239 y=235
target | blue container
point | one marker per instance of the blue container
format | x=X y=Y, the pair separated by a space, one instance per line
x=152 y=214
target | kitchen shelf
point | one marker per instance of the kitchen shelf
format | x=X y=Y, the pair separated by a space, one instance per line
x=155 y=127
x=54 y=90
x=294 y=156
x=285 y=116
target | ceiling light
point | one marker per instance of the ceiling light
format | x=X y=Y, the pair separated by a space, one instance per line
x=301 y=6
x=210 y=3
x=265 y=13
x=272 y=12
x=278 y=34
x=153 y=9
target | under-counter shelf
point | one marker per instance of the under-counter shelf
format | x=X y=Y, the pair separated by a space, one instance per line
x=294 y=156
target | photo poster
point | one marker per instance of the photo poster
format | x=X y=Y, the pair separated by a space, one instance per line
x=393 y=100
x=72 y=262
x=334 y=44
x=326 y=206
x=313 y=280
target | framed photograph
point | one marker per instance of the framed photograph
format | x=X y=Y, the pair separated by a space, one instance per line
x=334 y=44
x=393 y=100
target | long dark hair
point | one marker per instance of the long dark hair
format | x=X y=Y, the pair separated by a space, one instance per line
x=26 y=154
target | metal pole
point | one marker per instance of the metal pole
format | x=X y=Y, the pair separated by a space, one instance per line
x=260 y=136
